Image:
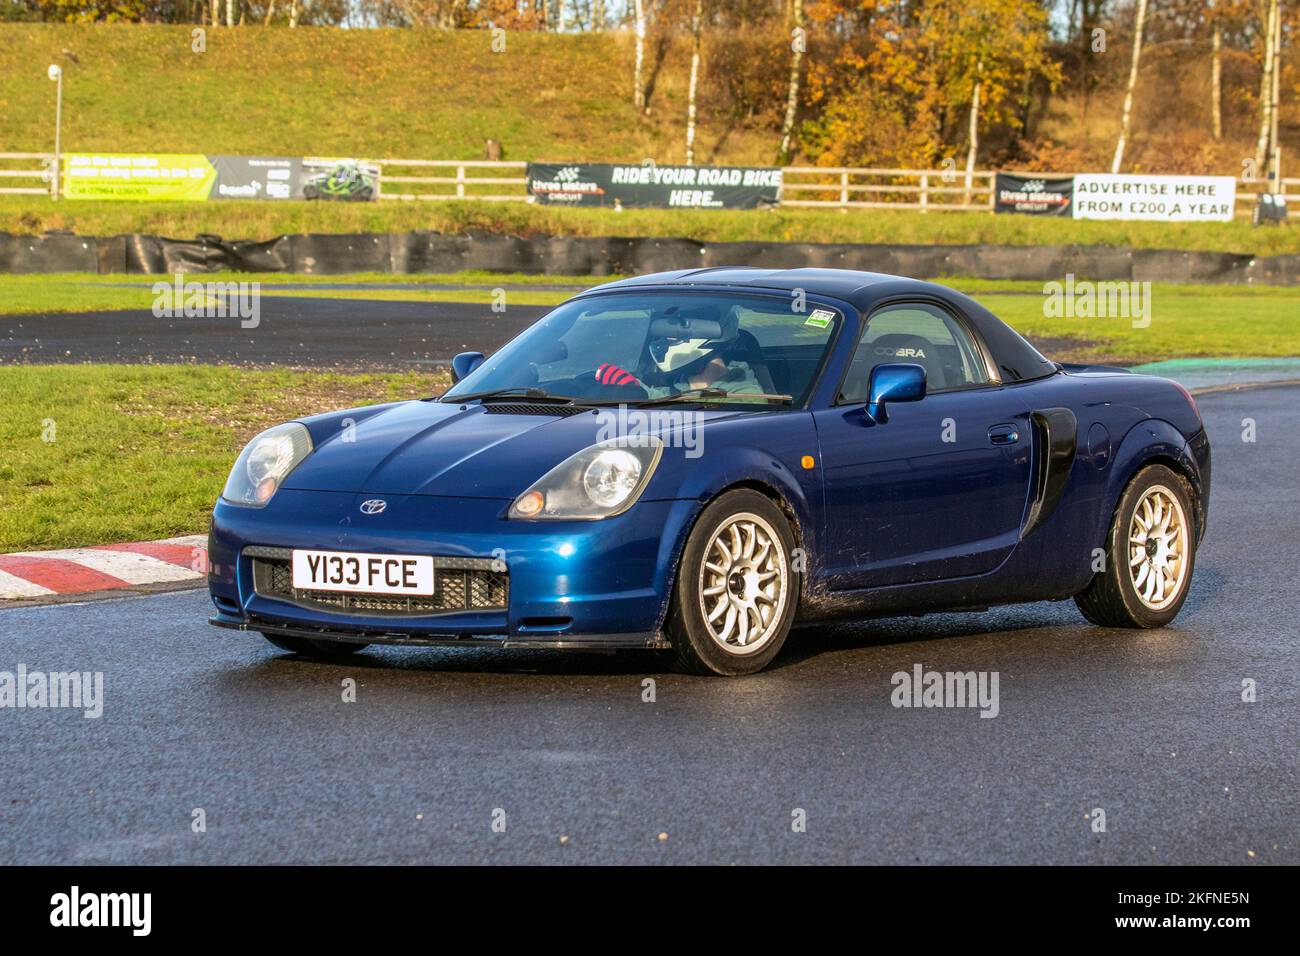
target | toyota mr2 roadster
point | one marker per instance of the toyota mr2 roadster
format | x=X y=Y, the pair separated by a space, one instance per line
x=695 y=461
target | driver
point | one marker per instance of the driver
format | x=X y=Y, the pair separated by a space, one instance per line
x=681 y=362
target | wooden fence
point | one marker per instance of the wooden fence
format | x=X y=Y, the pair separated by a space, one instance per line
x=26 y=174
x=852 y=187
x=441 y=179
x=833 y=187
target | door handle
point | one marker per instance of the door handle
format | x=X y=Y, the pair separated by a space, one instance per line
x=1004 y=434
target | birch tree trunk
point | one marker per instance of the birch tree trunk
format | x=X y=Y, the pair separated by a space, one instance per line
x=216 y=13
x=638 y=91
x=270 y=12
x=974 y=134
x=293 y=14
x=1266 y=93
x=695 y=76
x=1216 y=82
x=1127 y=117
x=798 y=43
x=1275 y=144
x=230 y=13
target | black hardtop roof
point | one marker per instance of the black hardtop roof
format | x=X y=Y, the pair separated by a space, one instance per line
x=859 y=289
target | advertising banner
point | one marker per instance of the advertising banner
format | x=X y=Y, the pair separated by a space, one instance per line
x=180 y=177
x=1167 y=198
x=642 y=185
x=339 y=180
x=1036 y=195
x=191 y=177
x=256 y=177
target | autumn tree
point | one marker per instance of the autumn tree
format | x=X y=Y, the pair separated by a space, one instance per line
x=982 y=52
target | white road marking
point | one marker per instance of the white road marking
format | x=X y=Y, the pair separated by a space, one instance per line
x=13 y=587
x=127 y=565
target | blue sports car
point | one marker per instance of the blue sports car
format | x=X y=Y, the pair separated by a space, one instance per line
x=693 y=461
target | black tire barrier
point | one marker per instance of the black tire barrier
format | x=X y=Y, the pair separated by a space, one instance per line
x=416 y=252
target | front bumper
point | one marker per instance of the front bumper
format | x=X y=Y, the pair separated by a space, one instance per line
x=571 y=584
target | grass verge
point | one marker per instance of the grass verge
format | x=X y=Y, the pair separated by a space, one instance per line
x=250 y=219
x=84 y=292
x=103 y=453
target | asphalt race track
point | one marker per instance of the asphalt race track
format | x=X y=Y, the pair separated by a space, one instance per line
x=1148 y=726
x=322 y=333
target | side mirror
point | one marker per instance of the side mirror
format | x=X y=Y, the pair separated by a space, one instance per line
x=464 y=363
x=893 y=383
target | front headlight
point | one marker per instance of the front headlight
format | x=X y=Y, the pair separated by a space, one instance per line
x=597 y=482
x=264 y=463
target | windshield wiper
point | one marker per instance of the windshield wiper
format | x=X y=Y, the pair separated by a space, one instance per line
x=529 y=392
x=696 y=394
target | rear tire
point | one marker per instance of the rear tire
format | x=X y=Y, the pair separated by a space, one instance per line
x=311 y=647
x=736 y=591
x=1150 y=554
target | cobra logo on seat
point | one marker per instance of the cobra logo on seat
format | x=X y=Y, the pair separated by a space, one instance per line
x=373 y=506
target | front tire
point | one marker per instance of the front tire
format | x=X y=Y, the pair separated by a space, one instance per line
x=1150 y=554
x=736 y=591
x=311 y=647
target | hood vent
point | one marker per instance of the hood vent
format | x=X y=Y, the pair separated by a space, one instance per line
x=524 y=408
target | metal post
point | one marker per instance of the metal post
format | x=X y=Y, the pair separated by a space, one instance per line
x=56 y=74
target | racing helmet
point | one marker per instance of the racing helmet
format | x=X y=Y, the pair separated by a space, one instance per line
x=681 y=338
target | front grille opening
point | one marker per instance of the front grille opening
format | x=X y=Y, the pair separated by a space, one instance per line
x=455 y=588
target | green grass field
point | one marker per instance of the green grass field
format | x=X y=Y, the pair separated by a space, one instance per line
x=410 y=93
x=103 y=453
x=85 y=292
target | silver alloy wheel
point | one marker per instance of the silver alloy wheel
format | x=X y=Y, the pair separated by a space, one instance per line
x=744 y=584
x=1158 y=544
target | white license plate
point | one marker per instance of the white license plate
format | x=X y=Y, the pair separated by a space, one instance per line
x=365 y=573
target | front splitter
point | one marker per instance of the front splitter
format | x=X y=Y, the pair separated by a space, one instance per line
x=634 y=641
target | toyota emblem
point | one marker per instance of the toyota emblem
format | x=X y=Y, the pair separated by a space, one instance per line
x=374 y=506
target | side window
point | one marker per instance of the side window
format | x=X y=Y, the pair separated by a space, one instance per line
x=916 y=334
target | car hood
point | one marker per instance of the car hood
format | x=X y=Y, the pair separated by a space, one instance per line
x=437 y=448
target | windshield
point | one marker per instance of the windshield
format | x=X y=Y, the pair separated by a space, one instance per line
x=657 y=346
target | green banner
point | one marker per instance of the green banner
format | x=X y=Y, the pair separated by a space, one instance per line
x=144 y=177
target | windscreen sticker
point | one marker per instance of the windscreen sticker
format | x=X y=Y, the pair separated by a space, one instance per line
x=820 y=318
